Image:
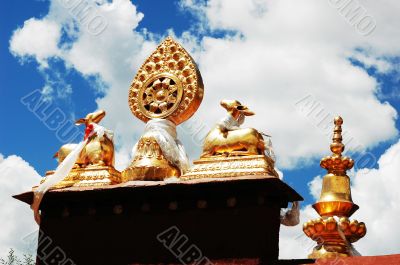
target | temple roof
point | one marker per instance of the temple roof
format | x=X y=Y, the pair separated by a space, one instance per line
x=272 y=186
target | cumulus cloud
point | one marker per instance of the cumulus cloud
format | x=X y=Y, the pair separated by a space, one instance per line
x=281 y=53
x=37 y=38
x=111 y=55
x=315 y=187
x=273 y=57
x=375 y=191
x=16 y=218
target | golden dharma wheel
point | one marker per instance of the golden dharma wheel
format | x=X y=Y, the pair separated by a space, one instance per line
x=168 y=85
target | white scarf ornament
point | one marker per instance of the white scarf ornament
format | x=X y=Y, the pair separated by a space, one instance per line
x=62 y=171
x=164 y=131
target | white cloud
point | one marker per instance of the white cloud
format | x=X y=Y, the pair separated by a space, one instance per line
x=38 y=38
x=286 y=51
x=113 y=56
x=16 y=218
x=282 y=52
x=315 y=187
x=382 y=65
x=376 y=192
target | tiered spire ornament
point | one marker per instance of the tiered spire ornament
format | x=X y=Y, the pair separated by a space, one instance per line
x=166 y=91
x=333 y=231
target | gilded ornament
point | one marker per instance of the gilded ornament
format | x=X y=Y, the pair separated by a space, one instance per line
x=231 y=151
x=168 y=85
x=95 y=163
x=166 y=91
x=333 y=231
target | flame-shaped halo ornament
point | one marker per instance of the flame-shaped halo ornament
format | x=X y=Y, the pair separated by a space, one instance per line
x=166 y=91
x=167 y=86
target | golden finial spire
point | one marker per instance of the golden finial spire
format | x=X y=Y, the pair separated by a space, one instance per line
x=335 y=163
x=334 y=237
x=337 y=147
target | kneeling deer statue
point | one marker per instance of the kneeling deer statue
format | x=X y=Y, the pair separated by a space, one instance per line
x=228 y=139
x=99 y=150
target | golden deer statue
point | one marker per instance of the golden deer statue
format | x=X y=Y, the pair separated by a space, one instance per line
x=99 y=151
x=228 y=139
x=231 y=151
x=89 y=163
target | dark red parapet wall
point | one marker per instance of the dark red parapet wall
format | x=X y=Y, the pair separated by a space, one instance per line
x=227 y=221
x=371 y=260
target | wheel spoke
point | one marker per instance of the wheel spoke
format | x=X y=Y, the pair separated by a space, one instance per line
x=172 y=89
x=153 y=107
x=148 y=100
x=171 y=99
x=163 y=106
x=149 y=91
x=166 y=82
x=157 y=84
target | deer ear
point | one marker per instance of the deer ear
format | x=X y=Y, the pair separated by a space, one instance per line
x=98 y=116
x=224 y=104
x=245 y=110
x=248 y=112
x=80 y=121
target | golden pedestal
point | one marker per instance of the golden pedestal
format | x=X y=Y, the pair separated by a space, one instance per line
x=88 y=176
x=333 y=237
x=233 y=166
x=149 y=163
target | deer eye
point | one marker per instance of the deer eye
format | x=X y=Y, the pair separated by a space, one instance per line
x=240 y=107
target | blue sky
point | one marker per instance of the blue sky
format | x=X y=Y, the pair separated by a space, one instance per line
x=260 y=52
x=19 y=79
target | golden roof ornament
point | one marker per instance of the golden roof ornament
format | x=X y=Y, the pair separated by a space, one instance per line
x=94 y=165
x=167 y=86
x=336 y=193
x=231 y=151
x=333 y=231
x=89 y=163
x=336 y=163
x=166 y=91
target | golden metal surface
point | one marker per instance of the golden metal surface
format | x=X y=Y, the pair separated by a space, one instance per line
x=234 y=166
x=335 y=197
x=89 y=176
x=336 y=193
x=168 y=85
x=98 y=151
x=95 y=164
x=161 y=96
x=149 y=163
x=223 y=141
x=230 y=151
x=334 y=237
x=330 y=242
